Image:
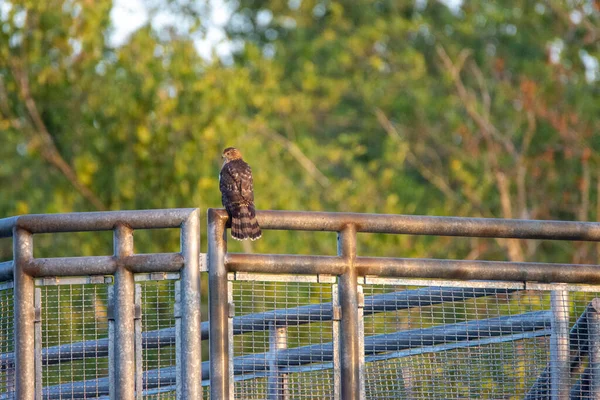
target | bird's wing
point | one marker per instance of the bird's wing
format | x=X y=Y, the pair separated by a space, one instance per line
x=229 y=183
x=246 y=184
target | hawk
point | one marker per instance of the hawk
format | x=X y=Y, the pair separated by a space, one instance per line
x=237 y=195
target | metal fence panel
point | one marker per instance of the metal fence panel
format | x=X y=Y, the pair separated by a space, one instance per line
x=456 y=343
x=74 y=338
x=293 y=326
x=271 y=323
x=7 y=373
x=158 y=344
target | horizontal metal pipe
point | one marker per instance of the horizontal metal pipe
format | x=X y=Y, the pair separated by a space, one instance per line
x=90 y=388
x=158 y=262
x=6 y=271
x=72 y=266
x=6 y=226
x=284 y=264
x=104 y=265
x=99 y=221
x=478 y=270
x=402 y=354
x=469 y=330
x=440 y=348
x=316 y=221
x=416 y=268
x=429 y=225
x=94 y=388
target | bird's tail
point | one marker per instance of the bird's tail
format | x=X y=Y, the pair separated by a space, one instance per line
x=244 y=224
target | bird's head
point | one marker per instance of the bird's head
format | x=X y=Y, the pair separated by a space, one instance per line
x=231 y=153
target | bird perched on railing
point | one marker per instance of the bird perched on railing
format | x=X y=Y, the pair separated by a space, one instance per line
x=237 y=195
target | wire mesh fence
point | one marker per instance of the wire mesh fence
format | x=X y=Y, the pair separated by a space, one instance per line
x=74 y=340
x=158 y=300
x=7 y=365
x=80 y=326
x=454 y=342
x=445 y=341
x=283 y=340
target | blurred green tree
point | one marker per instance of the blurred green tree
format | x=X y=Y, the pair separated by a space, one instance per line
x=370 y=106
x=482 y=109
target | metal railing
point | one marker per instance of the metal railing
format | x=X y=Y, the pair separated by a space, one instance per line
x=297 y=326
x=124 y=378
x=348 y=267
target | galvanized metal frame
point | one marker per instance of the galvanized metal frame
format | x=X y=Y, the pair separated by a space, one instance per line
x=348 y=267
x=24 y=269
x=349 y=337
x=559 y=345
x=348 y=348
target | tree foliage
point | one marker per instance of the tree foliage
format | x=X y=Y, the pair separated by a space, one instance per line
x=365 y=106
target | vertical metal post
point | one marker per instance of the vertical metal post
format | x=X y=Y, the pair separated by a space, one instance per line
x=335 y=331
x=218 y=308
x=24 y=310
x=276 y=382
x=111 y=339
x=189 y=380
x=178 y=350
x=348 y=292
x=124 y=315
x=559 y=346
x=230 y=316
x=361 y=342
x=38 y=342
x=594 y=349
x=139 y=382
